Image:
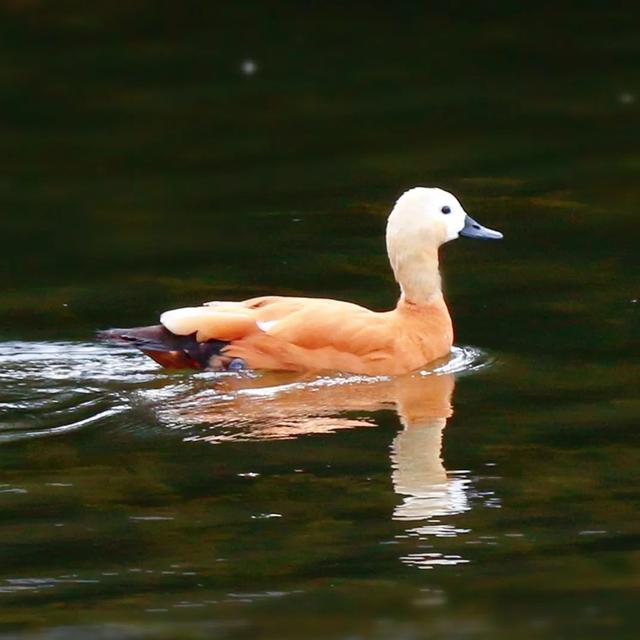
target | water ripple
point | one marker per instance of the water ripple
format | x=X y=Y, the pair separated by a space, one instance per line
x=51 y=388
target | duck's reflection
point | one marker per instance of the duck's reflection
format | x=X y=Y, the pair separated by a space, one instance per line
x=274 y=407
x=419 y=475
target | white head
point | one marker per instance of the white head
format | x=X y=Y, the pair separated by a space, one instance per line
x=437 y=214
x=422 y=220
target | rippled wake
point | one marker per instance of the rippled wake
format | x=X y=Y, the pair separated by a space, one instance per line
x=49 y=388
x=53 y=388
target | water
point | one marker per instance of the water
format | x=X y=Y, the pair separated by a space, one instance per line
x=158 y=156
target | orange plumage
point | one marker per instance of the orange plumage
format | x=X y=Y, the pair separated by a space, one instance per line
x=312 y=334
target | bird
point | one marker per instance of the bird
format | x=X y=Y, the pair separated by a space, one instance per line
x=318 y=334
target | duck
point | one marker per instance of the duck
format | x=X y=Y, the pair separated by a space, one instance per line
x=307 y=335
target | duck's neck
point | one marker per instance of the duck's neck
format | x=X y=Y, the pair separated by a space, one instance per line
x=419 y=278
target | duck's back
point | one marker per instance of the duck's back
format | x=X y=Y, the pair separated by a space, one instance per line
x=297 y=334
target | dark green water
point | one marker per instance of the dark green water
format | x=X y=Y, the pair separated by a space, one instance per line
x=142 y=169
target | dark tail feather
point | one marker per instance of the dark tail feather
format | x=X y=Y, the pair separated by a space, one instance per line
x=169 y=349
x=154 y=337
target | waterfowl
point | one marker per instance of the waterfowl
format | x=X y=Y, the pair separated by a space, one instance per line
x=315 y=334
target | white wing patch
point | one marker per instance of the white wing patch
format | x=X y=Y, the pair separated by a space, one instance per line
x=265 y=325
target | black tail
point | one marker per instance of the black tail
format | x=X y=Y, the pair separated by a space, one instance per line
x=169 y=349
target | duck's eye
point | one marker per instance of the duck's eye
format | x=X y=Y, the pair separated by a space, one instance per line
x=446 y=209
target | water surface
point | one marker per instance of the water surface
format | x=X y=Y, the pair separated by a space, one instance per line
x=147 y=166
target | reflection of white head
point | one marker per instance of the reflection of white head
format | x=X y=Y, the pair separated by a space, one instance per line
x=420 y=476
x=423 y=404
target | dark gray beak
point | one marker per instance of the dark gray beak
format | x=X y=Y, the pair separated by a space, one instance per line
x=472 y=229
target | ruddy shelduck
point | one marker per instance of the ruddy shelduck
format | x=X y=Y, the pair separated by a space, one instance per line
x=316 y=334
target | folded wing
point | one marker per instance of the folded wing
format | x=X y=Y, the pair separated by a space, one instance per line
x=291 y=333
